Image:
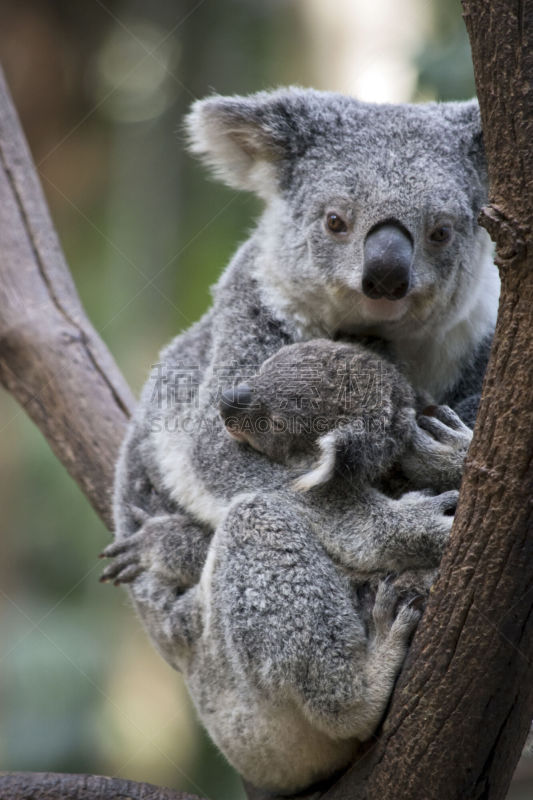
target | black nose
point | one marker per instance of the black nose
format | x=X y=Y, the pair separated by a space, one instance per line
x=388 y=254
x=235 y=399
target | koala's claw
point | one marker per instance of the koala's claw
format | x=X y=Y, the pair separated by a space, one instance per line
x=115 y=549
x=406 y=620
x=447 y=416
x=418 y=602
x=121 y=572
x=391 y=615
x=126 y=566
x=445 y=426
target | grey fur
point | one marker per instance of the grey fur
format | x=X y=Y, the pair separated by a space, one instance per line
x=280 y=642
x=276 y=649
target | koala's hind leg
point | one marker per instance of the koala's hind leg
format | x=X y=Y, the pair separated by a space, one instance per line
x=293 y=625
x=363 y=703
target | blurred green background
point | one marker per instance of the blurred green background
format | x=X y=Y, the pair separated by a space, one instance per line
x=101 y=87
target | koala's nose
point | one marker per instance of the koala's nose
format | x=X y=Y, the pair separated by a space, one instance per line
x=388 y=254
x=235 y=399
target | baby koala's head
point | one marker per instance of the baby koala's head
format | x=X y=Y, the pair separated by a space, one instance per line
x=340 y=404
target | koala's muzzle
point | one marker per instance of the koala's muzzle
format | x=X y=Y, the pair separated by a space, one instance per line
x=388 y=255
x=236 y=399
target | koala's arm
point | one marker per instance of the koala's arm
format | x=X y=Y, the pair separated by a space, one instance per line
x=151 y=530
x=158 y=552
x=368 y=532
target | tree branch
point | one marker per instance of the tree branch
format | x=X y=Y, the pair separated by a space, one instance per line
x=51 y=358
x=57 y=367
x=59 y=786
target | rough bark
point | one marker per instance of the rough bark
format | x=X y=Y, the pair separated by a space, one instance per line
x=51 y=358
x=464 y=702
x=59 y=786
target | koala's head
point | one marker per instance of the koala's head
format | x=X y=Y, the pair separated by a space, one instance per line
x=339 y=403
x=370 y=223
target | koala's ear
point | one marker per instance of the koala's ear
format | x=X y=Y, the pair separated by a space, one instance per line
x=243 y=138
x=466 y=118
x=325 y=466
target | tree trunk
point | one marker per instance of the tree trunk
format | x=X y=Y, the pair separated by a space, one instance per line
x=464 y=702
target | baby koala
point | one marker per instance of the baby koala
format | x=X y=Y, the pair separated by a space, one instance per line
x=350 y=427
x=337 y=408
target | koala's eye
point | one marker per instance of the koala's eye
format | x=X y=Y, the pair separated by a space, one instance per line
x=336 y=224
x=441 y=234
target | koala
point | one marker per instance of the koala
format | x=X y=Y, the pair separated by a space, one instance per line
x=296 y=619
x=369 y=229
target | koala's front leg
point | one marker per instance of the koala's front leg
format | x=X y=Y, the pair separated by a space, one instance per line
x=437 y=450
x=371 y=533
x=171 y=546
x=161 y=563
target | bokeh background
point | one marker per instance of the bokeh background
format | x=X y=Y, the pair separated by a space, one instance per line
x=101 y=87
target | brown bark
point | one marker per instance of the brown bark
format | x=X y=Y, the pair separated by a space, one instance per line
x=464 y=702
x=59 y=786
x=51 y=358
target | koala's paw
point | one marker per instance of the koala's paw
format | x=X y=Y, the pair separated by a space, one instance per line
x=438 y=447
x=428 y=519
x=394 y=620
x=445 y=427
x=127 y=554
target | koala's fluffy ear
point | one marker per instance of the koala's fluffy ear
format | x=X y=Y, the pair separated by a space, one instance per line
x=243 y=138
x=325 y=466
x=466 y=118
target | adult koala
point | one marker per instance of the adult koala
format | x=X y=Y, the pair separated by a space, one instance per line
x=369 y=229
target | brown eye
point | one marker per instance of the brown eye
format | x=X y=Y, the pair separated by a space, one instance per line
x=441 y=234
x=336 y=224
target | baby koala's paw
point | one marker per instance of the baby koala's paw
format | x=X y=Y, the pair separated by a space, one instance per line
x=428 y=518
